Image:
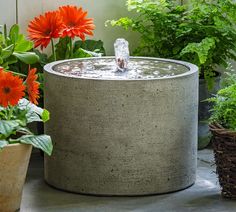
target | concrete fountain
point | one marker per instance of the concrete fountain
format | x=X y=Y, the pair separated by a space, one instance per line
x=122 y=125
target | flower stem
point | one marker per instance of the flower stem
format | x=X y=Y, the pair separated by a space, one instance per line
x=18 y=74
x=53 y=50
x=5 y=32
x=10 y=112
x=71 y=48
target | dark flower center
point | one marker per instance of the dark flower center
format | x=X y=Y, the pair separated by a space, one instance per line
x=47 y=32
x=71 y=24
x=6 y=90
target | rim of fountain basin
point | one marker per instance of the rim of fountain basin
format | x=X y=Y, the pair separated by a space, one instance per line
x=192 y=69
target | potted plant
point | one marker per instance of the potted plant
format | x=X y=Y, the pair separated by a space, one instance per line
x=17 y=111
x=66 y=23
x=223 y=128
x=200 y=31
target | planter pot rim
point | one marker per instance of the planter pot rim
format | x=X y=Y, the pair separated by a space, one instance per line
x=14 y=145
x=220 y=130
x=192 y=69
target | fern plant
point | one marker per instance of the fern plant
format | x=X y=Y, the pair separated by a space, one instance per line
x=200 y=31
x=224 y=109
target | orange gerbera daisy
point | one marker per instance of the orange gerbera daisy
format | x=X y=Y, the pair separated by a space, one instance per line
x=32 y=86
x=45 y=27
x=11 y=89
x=75 y=22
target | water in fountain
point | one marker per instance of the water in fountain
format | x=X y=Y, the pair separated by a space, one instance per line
x=121 y=47
x=122 y=67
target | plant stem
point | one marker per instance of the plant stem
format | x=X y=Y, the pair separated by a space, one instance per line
x=5 y=32
x=19 y=74
x=71 y=48
x=17 y=12
x=53 y=50
x=10 y=112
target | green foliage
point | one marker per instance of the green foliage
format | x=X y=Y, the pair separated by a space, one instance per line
x=3 y=143
x=7 y=126
x=14 y=126
x=224 y=109
x=229 y=76
x=202 y=50
x=94 y=48
x=201 y=31
x=80 y=49
x=63 y=49
x=42 y=142
x=26 y=57
x=45 y=115
x=15 y=47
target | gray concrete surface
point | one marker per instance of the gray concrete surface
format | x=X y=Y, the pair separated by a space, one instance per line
x=138 y=136
x=204 y=196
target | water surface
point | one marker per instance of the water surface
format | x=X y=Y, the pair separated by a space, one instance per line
x=105 y=68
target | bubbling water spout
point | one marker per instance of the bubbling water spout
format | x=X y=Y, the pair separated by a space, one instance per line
x=121 y=47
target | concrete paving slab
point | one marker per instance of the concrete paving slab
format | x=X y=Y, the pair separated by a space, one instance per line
x=204 y=196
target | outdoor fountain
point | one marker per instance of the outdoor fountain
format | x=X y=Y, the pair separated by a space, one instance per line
x=122 y=126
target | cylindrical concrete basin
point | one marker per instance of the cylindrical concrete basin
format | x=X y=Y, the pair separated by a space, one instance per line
x=122 y=137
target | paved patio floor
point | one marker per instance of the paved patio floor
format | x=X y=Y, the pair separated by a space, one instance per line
x=204 y=196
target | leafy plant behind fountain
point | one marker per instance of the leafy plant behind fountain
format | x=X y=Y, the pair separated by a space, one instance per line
x=201 y=32
x=14 y=49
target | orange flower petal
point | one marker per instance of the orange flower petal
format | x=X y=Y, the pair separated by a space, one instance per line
x=32 y=86
x=45 y=27
x=75 y=22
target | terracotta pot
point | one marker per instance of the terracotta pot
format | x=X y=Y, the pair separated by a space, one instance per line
x=14 y=160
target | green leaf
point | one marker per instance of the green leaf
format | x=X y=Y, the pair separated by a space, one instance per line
x=34 y=113
x=8 y=127
x=81 y=53
x=45 y=115
x=20 y=42
x=11 y=60
x=43 y=58
x=90 y=45
x=125 y=22
x=23 y=45
x=32 y=116
x=24 y=130
x=93 y=54
x=1 y=39
x=3 y=143
x=42 y=142
x=201 y=49
x=14 y=33
x=7 y=52
x=27 y=57
x=62 y=48
x=26 y=104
